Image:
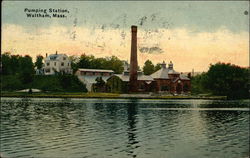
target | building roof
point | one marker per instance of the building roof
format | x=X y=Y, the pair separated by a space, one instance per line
x=95 y=70
x=172 y=71
x=139 y=77
x=165 y=71
x=183 y=77
x=162 y=74
x=54 y=56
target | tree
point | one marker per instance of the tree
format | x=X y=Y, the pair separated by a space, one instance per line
x=84 y=62
x=90 y=62
x=99 y=86
x=39 y=62
x=227 y=79
x=71 y=83
x=27 y=71
x=10 y=64
x=74 y=60
x=157 y=67
x=14 y=64
x=5 y=61
x=148 y=68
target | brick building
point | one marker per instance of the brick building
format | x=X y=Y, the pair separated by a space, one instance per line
x=168 y=80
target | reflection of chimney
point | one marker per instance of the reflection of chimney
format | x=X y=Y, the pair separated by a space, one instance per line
x=133 y=61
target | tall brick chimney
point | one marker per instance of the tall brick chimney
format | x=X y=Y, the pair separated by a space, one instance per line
x=133 y=61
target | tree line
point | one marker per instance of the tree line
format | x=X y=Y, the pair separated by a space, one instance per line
x=108 y=63
x=90 y=62
x=18 y=72
x=223 y=79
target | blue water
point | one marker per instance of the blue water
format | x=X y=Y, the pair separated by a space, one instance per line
x=119 y=128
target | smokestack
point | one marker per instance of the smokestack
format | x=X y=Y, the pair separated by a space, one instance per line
x=133 y=61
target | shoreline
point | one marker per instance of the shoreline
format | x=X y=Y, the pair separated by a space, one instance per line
x=108 y=96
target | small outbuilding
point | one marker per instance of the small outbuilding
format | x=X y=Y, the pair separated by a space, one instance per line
x=90 y=76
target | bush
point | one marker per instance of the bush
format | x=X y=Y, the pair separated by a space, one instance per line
x=52 y=83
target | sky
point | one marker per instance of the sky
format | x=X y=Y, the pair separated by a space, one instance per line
x=191 y=34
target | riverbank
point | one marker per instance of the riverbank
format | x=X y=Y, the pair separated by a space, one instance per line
x=106 y=95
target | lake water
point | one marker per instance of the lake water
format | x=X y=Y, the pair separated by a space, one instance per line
x=102 y=128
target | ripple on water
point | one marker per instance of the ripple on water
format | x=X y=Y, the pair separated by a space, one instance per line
x=124 y=128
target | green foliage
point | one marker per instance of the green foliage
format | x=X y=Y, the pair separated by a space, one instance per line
x=99 y=82
x=116 y=85
x=18 y=66
x=84 y=61
x=10 y=64
x=157 y=67
x=227 y=79
x=51 y=83
x=26 y=72
x=47 y=83
x=90 y=62
x=39 y=61
x=74 y=60
x=71 y=83
x=198 y=84
x=148 y=67
x=11 y=82
x=222 y=79
x=99 y=86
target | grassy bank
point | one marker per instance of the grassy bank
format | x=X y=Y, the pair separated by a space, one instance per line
x=52 y=83
x=101 y=95
x=59 y=95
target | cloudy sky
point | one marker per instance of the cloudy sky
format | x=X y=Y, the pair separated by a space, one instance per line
x=192 y=34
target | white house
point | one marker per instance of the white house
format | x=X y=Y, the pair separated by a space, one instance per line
x=88 y=76
x=57 y=63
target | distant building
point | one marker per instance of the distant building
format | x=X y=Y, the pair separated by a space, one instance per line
x=89 y=76
x=57 y=63
x=168 y=80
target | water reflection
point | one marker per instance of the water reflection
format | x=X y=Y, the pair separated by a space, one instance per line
x=132 y=120
x=224 y=128
x=124 y=128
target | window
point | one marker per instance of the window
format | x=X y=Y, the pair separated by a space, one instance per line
x=68 y=64
x=54 y=63
x=64 y=58
x=93 y=73
x=62 y=64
